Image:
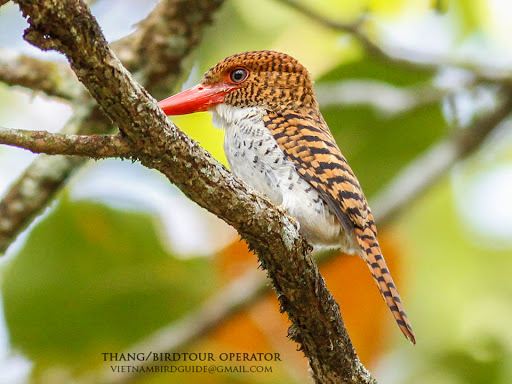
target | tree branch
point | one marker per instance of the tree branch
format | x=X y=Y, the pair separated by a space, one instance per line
x=93 y=146
x=42 y=180
x=53 y=79
x=317 y=326
x=401 y=57
x=381 y=96
x=353 y=28
x=174 y=27
x=233 y=298
x=432 y=165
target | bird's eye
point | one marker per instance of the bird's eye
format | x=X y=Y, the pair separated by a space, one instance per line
x=238 y=75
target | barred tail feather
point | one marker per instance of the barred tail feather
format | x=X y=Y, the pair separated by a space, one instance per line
x=372 y=254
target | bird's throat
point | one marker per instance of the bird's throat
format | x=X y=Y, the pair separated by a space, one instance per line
x=225 y=116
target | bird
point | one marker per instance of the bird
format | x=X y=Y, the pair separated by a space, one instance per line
x=277 y=141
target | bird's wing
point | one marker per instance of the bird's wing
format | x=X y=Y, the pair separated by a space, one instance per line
x=307 y=141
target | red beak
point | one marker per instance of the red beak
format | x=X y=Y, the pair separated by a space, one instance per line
x=196 y=99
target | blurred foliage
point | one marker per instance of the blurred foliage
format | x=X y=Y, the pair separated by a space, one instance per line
x=466 y=287
x=92 y=279
x=366 y=136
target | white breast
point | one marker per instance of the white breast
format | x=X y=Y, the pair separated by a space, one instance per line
x=255 y=157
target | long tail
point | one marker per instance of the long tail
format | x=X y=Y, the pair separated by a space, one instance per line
x=367 y=239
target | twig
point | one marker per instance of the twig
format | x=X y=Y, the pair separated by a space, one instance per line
x=93 y=146
x=316 y=321
x=155 y=51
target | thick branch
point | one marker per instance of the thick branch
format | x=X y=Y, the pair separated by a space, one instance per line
x=93 y=146
x=174 y=27
x=317 y=326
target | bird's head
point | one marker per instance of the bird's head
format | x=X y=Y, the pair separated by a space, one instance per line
x=269 y=79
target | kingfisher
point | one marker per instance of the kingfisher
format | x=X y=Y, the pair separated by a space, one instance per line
x=277 y=141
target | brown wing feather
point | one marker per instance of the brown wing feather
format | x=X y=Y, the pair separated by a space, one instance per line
x=307 y=141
